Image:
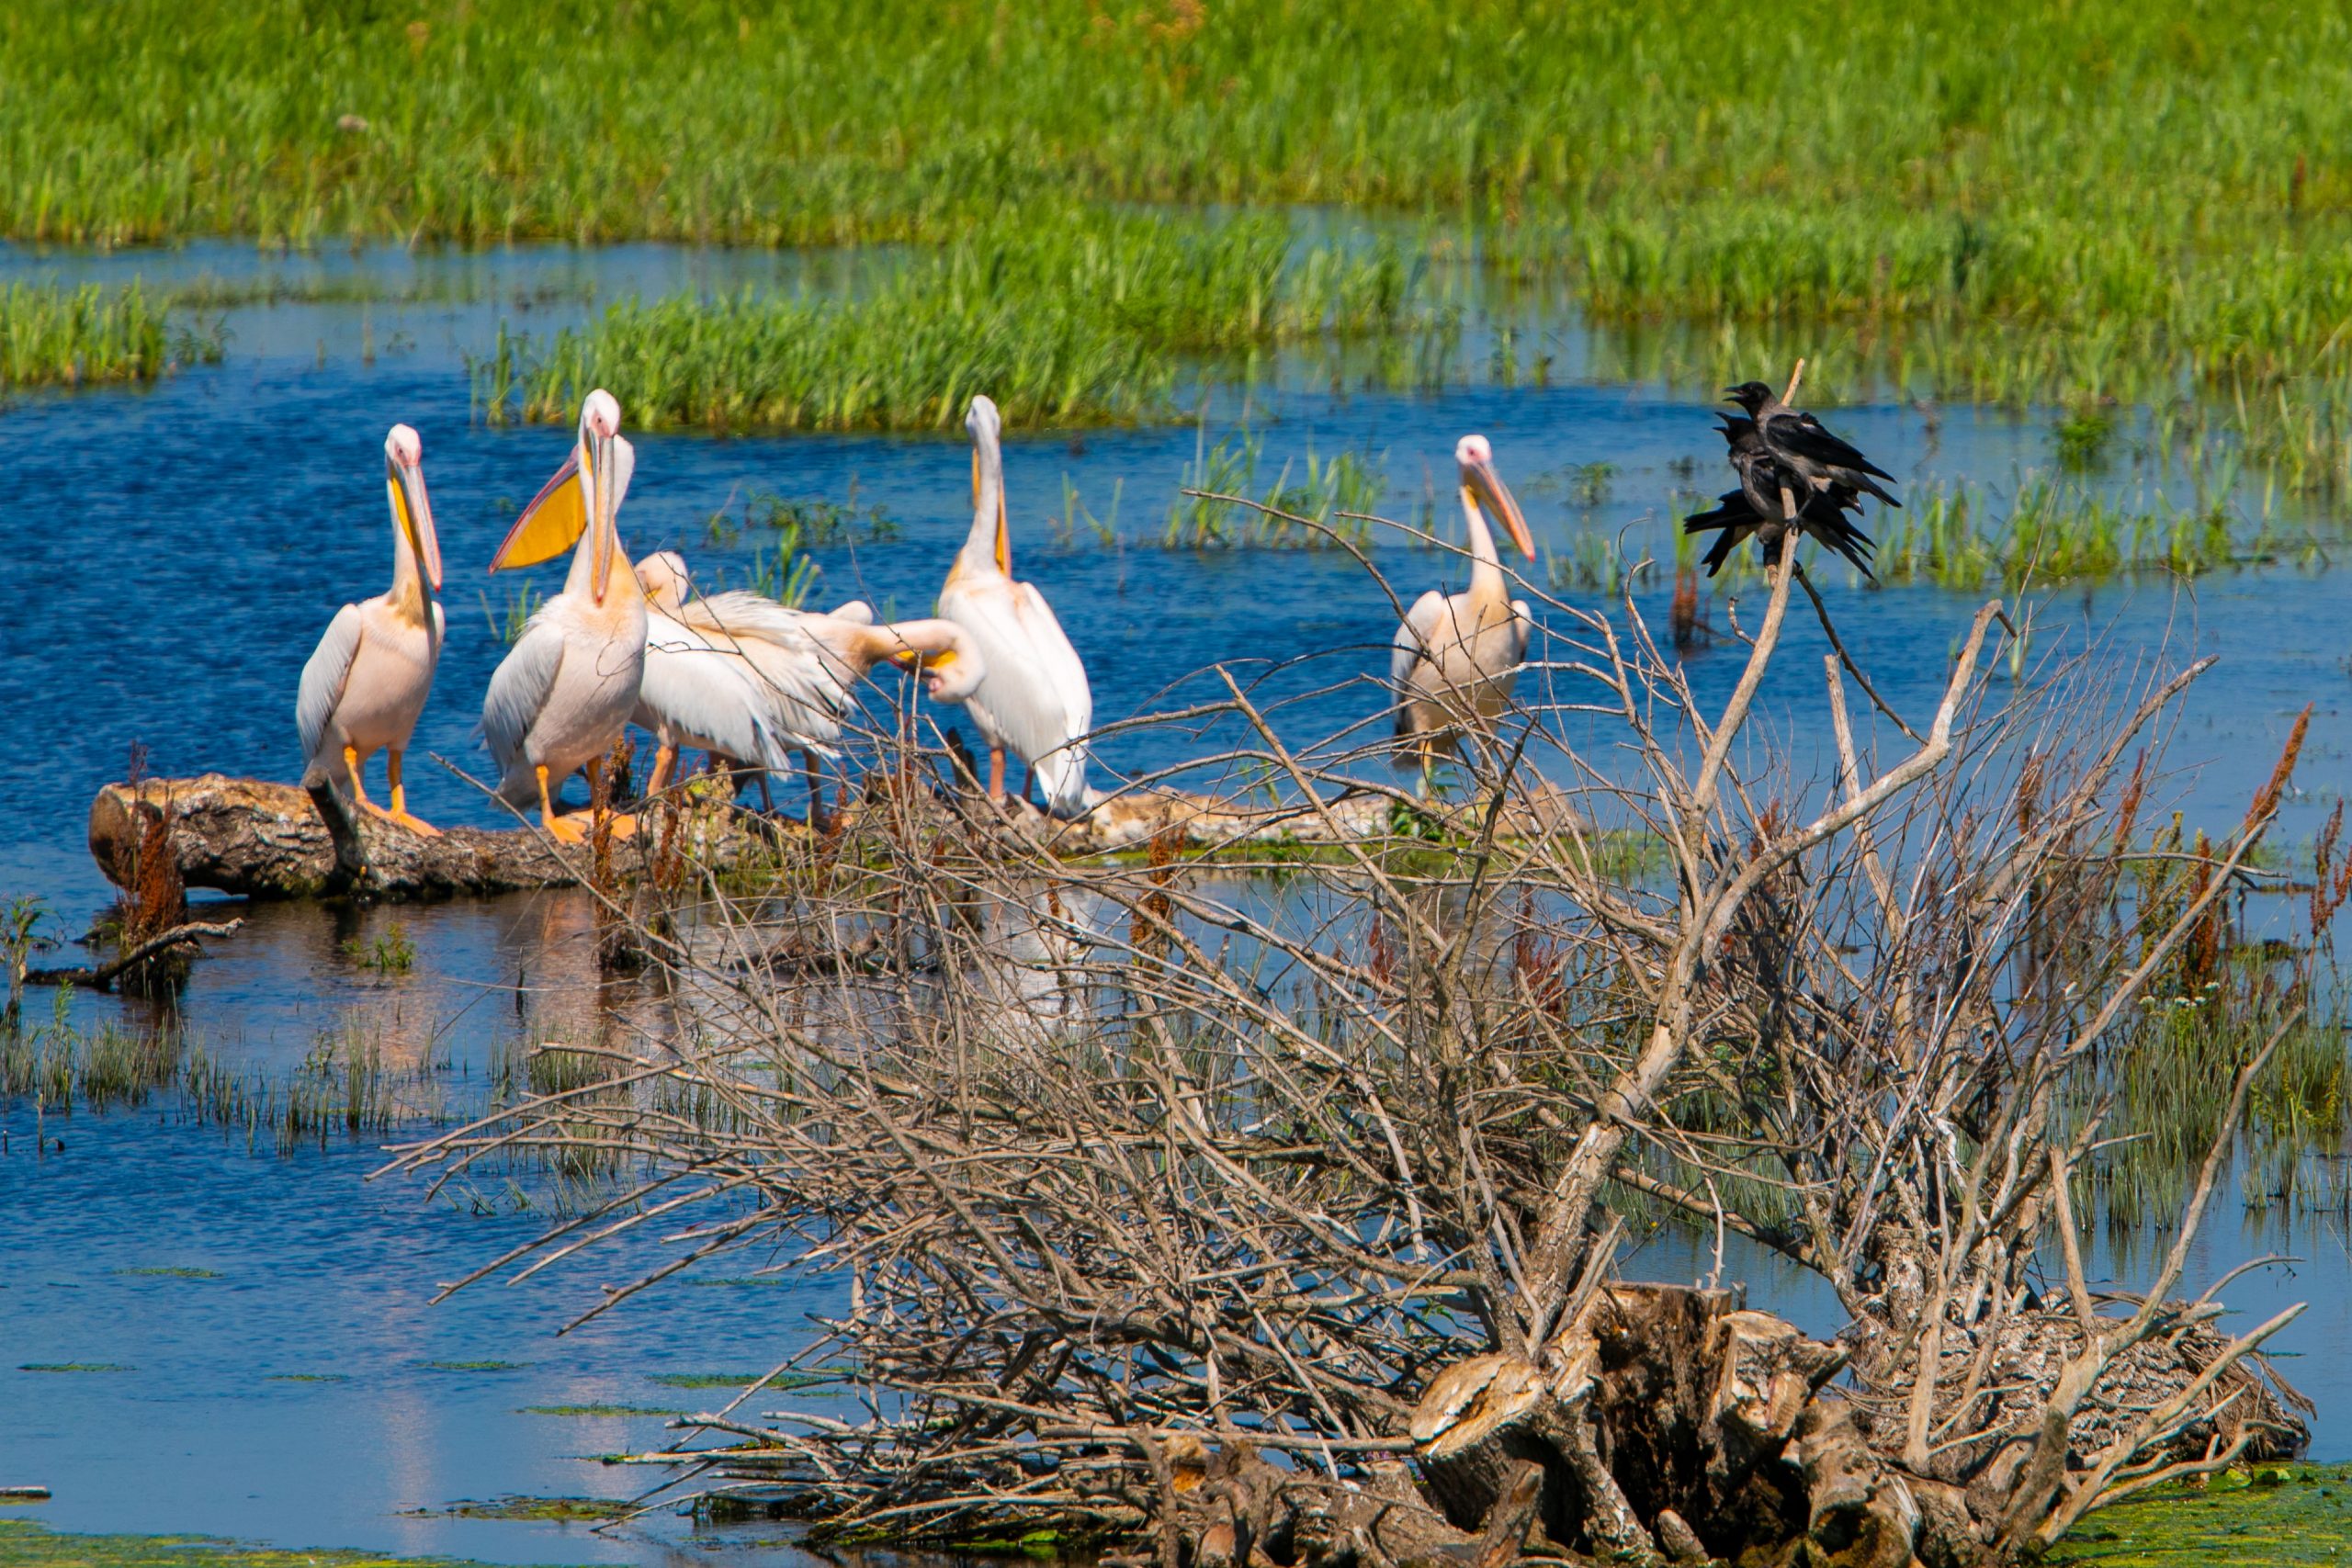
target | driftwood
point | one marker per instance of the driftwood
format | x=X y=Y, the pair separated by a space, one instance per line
x=260 y=840
x=180 y=939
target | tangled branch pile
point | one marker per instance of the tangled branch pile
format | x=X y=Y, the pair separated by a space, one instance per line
x=1272 y=1213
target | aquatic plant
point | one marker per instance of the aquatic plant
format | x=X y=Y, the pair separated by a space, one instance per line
x=390 y=953
x=1063 y=318
x=54 y=335
x=1221 y=504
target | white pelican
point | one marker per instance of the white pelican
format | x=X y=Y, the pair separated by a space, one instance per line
x=1033 y=698
x=1456 y=656
x=368 y=679
x=564 y=694
x=804 y=666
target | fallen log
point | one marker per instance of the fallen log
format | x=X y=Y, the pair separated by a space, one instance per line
x=260 y=840
x=272 y=841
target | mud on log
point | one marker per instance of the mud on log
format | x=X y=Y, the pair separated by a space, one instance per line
x=274 y=841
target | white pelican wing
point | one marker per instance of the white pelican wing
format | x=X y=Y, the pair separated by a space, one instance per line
x=323 y=679
x=519 y=688
x=806 y=679
x=1034 y=697
x=1416 y=635
x=700 y=693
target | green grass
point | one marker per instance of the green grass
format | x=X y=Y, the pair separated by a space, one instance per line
x=2051 y=530
x=2278 y=1516
x=53 y=336
x=392 y=952
x=1071 y=316
x=2034 y=203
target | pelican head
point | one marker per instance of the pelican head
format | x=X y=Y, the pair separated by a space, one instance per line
x=583 y=496
x=600 y=432
x=986 y=424
x=1749 y=395
x=662 y=575
x=952 y=676
x=1481 y=482
x=942 y=652
x=411 y=511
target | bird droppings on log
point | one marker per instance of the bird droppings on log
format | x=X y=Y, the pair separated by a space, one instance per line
x=259 y=839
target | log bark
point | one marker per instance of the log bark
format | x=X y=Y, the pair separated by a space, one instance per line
x=274 y=841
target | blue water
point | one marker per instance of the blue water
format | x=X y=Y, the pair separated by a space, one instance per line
x=178 y=552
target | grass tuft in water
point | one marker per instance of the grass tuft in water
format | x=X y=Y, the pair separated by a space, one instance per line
x=1070 y=317
x=75 y=1367
x=53 y=336
x=392 y=952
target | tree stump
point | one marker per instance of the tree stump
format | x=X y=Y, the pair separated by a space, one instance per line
x=1669 y=1425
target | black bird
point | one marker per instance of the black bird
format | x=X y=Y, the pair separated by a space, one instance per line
x=1802 y=444
x=1737 y=516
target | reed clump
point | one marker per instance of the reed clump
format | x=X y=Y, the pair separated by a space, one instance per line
x=53 y=336
x=1068 y=317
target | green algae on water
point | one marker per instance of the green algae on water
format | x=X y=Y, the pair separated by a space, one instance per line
x=169 y=1272
x=525 y=1509
x=73 y=1366
x=473 y=1366
x=745 y=1379
x=24 y=1544
x=600 y=1410
x=2279 y=1516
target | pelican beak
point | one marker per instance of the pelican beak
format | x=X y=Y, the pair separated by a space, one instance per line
x=1004 y=535
x=413 y=511
x=550 y=525
x=1485 y=485
x=598 y=481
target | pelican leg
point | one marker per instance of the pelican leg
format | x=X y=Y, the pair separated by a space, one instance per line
x=1029 y=782
x=399 y=812
x=767 y=801
x=563 y=827
x=996 y=775
x=622 y=824
x=664 y=755
x=351 y=762
x=814 y=772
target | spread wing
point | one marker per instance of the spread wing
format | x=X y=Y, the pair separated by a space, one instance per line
x=699 y=692
x=519 y=688
x=323 y=677
x=1035 y=695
